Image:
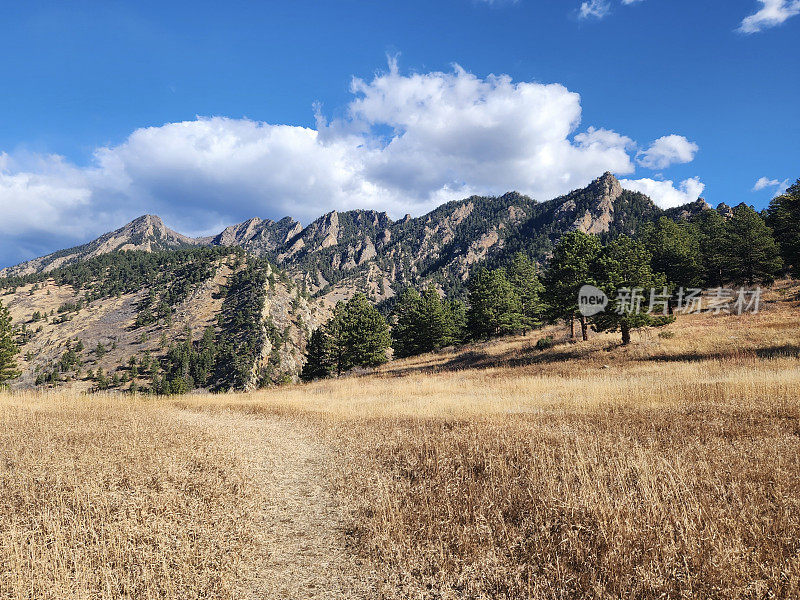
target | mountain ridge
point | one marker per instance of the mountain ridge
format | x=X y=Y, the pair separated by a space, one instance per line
x=365 y=250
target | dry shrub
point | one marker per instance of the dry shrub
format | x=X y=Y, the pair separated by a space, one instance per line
x=110 y=499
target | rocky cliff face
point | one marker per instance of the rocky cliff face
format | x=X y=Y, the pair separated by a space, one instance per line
x=342 y=253
x=48 y=332
x=331 y=259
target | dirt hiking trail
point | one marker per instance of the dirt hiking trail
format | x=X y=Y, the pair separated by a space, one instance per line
x=302 y=549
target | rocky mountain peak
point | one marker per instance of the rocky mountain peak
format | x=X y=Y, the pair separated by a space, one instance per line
x=725 y=210
x=598 y=216
x=146 y=222
x=606 y=186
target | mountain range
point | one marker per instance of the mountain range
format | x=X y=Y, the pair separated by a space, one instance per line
x=264 y=285
x=365 y=250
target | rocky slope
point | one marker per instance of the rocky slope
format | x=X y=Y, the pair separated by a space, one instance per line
x=148 y=233
x=331 y=259
x=67 y=339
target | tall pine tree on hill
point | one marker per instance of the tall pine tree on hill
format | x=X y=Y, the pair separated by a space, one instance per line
x=356 y=336
x=523 y=278
x=571 y=267
x=8 y=348
x=623 y=267
x=750 y=252
x=783 y=217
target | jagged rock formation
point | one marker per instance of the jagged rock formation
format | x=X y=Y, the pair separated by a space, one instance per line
x=342 y=253
x=331 y=259
x=688 y=211
x=725 y=210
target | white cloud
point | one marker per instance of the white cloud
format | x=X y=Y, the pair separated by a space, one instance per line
x=594 y=8
x=666 y=151
x=598 y=9
x=764 y=182
x=407 y=143
x=772 y=14
x=664 y=193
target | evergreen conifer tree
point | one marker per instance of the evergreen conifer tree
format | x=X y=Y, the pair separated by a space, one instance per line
x=406 y=329
x=8 y=347
x=710 y=228
x=494 y=306
x=571 y=267
x=750 y=252
x=363 y=335
x=624 y=264
x=783 y=217
x=675 y=250
x=526 y=284
x=319 y=359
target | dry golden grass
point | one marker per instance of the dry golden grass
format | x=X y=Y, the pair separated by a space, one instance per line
x=107 y=499
x=669 y=469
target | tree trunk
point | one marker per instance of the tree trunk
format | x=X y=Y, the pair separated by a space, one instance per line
x=572 y=327
x=584 y=328
x=626 y=334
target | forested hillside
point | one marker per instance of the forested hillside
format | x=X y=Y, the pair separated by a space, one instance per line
x=144 y=308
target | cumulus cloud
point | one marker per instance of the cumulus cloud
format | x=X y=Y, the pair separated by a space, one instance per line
x=771 y=14
x=666 y=151
x=664 y=193
x=765 y=182
x=406 y=143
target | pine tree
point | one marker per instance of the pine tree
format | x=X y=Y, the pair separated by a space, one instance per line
x=494 y=306
x=363 y=334
x=750 y=252
x=710 y=227
x=434 y=324
x=783 y=217
x=319 y=359
x=570 y=268
x=356 y=336
x=406 y=329
x=675 y=250
x=526 y=284
x=624 y=264
x=456 y=314
x=8 y=348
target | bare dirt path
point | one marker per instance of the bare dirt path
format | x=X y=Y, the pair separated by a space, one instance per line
x=302 y=550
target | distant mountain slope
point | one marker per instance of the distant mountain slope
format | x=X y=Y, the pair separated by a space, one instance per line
x=263 y=285
x=341 y=253
x=148 y=233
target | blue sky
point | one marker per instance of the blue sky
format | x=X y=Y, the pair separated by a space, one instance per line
x=209 y=113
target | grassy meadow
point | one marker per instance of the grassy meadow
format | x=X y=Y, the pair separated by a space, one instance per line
x=667 y=469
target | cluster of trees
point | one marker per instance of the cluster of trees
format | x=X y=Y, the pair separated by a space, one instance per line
x=504 y=300
x=128 y=271
x=241 y=333
x=783 y=216
x=356 y=336
x=187 y=365
x=705 y=252
x=424 y=322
